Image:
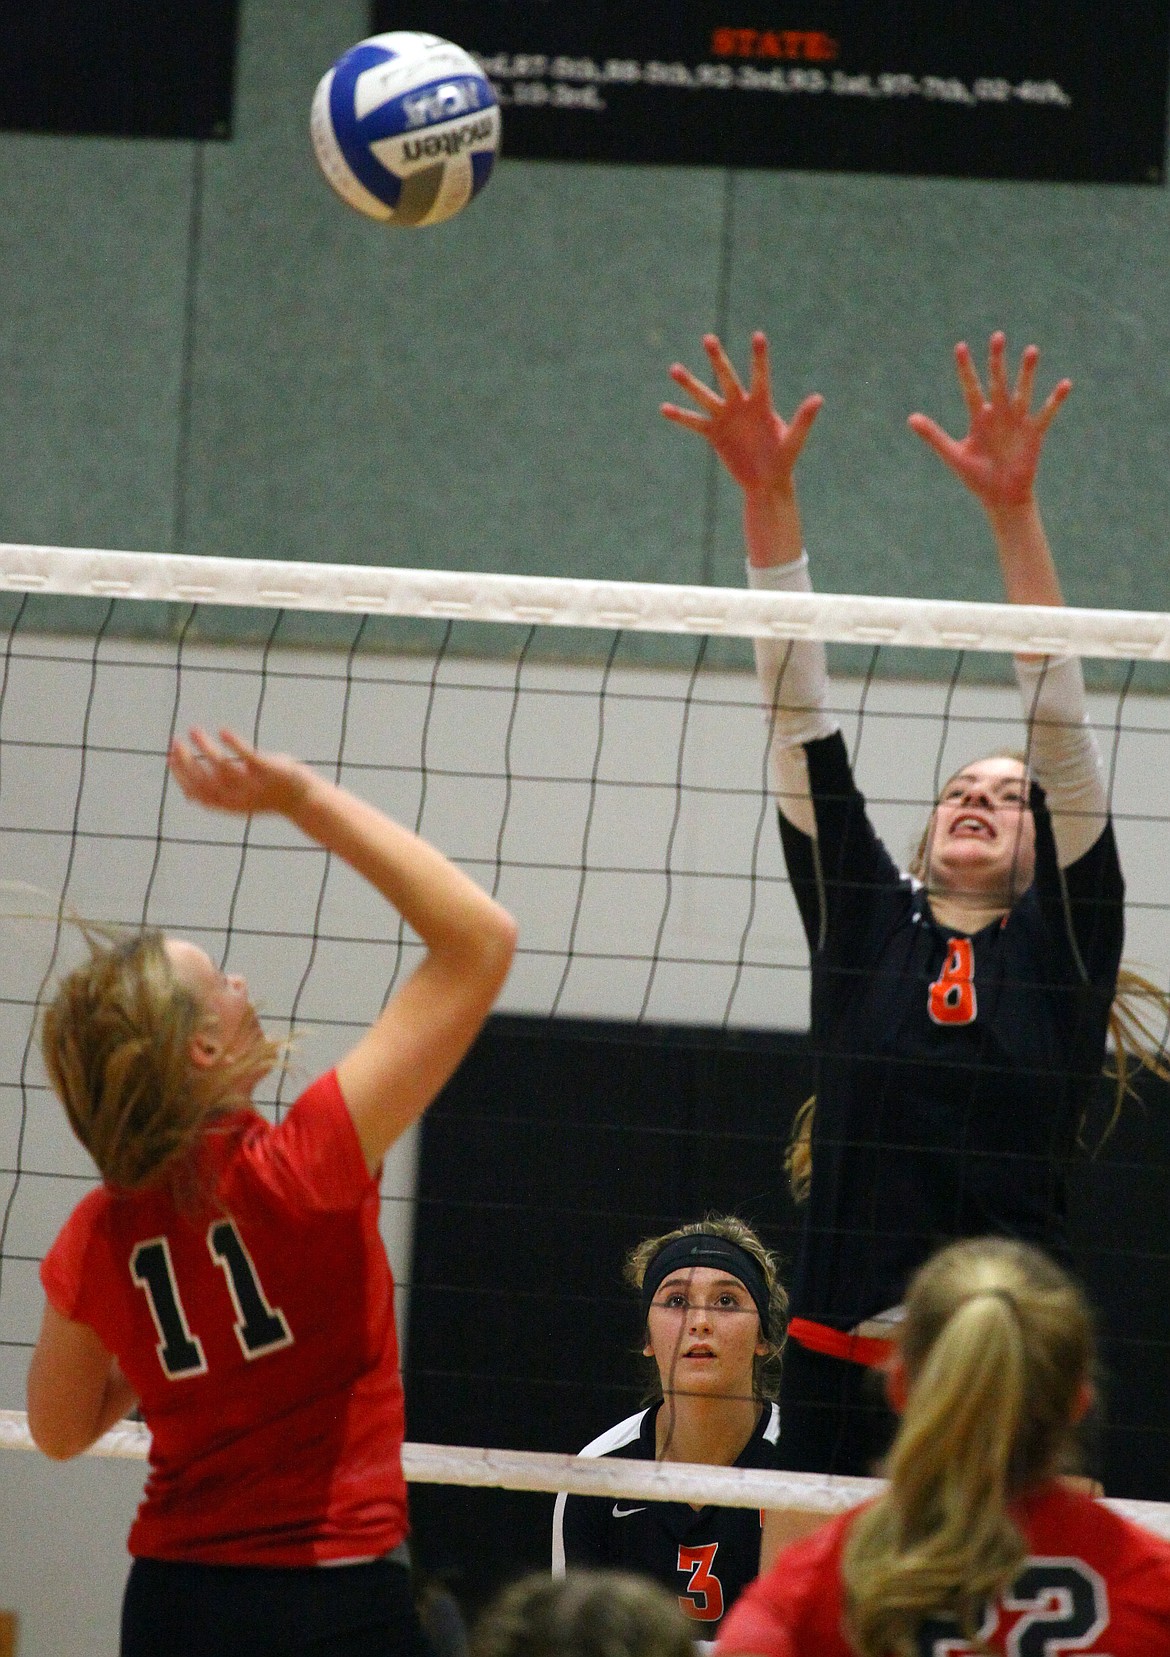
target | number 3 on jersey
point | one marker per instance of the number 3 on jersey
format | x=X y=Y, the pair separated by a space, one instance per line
x=704 y=1596
x=952 y=995
x=260 y=1328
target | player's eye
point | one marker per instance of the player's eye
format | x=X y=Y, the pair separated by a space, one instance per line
x=676 y=1300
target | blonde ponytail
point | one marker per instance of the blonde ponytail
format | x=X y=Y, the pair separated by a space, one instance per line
x=996 y=1345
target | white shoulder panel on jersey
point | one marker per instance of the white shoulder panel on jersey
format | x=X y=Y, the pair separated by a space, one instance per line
x=614 y=1438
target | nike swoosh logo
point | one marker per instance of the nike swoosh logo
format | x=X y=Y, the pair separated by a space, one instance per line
x=624 y=1512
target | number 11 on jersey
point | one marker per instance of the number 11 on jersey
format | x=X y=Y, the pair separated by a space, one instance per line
x=260 y=1328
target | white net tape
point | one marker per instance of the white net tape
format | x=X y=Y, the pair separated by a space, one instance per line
x=554 y=602
x=608 y=1476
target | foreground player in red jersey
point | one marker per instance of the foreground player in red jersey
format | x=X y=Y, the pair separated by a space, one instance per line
x=976 y=1545
x=229 y=1276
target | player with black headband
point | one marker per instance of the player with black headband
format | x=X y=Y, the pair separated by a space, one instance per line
x=960 y=1009
x=713 y=1317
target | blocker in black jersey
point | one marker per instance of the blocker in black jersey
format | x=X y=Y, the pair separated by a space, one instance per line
x=706 y=1557
x=952 y=1070
x=953 y=1064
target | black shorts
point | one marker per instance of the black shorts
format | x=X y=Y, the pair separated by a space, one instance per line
x=180 y=1610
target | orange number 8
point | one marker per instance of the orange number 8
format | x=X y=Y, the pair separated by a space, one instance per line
x=952 y=995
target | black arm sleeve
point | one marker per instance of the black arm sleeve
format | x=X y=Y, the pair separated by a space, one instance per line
x=836 y=877
x=1084 y=904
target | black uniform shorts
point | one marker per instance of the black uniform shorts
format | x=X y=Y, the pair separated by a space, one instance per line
x=179 y=1610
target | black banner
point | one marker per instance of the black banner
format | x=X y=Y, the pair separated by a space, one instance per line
x=990 y=89
x=118 y=68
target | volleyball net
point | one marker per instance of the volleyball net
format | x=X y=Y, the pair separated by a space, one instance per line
x=594 y=754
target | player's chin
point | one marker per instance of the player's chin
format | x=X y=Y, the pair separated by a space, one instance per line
x=702 y=1375
x=970 y=864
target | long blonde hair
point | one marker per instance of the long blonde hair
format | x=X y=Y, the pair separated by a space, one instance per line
x=765 y=1365
x=997 y=1347
x=117 y=1040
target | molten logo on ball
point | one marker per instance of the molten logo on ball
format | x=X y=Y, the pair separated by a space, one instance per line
x=391 y=132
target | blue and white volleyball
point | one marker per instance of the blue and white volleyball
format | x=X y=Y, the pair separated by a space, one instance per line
x=406 y=127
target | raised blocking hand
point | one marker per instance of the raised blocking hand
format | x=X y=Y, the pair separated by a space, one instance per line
x=999 y=456
x=757 y=446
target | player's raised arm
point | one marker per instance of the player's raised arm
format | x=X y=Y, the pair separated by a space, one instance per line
x=396 y=1069
x=760 y=449
x=758 y=446
x=998 y=459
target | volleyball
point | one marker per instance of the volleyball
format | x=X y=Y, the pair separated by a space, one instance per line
x=405 y=127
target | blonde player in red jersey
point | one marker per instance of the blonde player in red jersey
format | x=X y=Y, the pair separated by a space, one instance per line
x=977 y=1545
x=229 y=1276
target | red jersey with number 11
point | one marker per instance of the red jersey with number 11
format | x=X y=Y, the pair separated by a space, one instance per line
x=256 y=1326
x=1093 y=1583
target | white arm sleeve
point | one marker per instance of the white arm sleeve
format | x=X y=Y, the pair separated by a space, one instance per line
x=1062 y=752
x=794 y=689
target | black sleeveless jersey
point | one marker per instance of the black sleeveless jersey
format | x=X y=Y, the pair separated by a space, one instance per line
x=707 y=1558
x=952 y=1070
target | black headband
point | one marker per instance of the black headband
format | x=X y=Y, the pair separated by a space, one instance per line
x=705 y=1248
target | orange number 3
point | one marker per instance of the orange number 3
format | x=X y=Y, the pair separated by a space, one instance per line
x=952 y=995
x=704 y=1596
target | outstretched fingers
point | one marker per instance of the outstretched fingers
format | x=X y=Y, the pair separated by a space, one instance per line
x=227 y=773
x=1052 y=403
x=760 y=383
x=708 y=400
x=997 y=380
x=725 y=374
x=1026 y=379
x=932 y=433
x=1026 y=386
x=240 y=748
x=685 y=417
x=969 y=382
x=802 y=423
x=756 y=445
x=997 y=458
